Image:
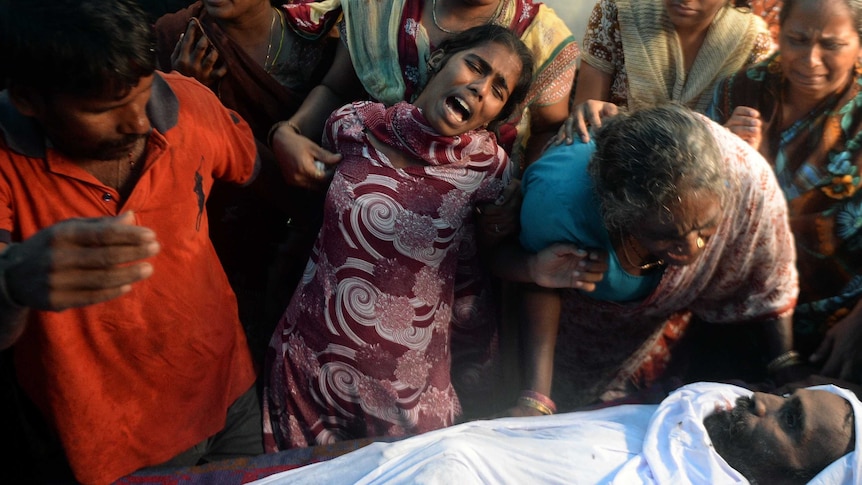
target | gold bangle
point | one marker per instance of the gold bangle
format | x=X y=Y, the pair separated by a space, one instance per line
x=783 y=361
x=532 y=403
x=278 y=125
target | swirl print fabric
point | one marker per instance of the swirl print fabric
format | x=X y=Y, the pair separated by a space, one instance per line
x=363 y=348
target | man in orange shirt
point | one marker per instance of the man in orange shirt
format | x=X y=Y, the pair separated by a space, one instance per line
x=124 y=329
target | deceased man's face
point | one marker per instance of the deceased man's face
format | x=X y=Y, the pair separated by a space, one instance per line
x=774 y=439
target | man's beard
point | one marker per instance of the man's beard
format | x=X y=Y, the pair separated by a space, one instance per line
x=726 y=428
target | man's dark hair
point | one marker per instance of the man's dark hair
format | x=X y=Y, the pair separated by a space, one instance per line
x=495 y=34
x=79 y=47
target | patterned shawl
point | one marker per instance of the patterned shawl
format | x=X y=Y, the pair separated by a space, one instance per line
x=377 y=30
x=817 y=161
x=404 y=128
x=768 y=10
x=312 y=20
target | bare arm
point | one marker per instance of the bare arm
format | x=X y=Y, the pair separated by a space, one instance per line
x=539 y=333
x=544 y=123
x=295 y=142
x=592 y=84
x=778 y=334
x=557 y=266
x=340 y=86
x=539 y=325
x=74 y=263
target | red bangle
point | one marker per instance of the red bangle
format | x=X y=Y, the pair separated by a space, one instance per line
x=529 y=395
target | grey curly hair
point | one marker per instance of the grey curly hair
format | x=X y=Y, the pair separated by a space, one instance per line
x=647 y=160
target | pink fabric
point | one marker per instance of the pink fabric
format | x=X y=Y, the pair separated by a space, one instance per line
x=747 y=273
x=310 y=19
x=404 y=128
x=363 y=347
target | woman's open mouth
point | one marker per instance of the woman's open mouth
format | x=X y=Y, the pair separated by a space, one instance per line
x=459 y=108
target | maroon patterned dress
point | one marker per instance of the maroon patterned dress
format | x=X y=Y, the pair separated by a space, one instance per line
x=363 y=347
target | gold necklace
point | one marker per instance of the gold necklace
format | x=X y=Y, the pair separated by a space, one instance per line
x=280 y=43
x=491 y=20
x=269 y=46
x=132 y=161
x=624 y=242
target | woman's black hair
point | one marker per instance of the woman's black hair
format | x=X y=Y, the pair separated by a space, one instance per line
x=492 y=33
x=855 y=7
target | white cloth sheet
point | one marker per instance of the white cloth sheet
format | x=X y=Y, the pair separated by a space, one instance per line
x=630 y=444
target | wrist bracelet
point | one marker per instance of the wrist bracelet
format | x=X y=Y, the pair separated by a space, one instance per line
x=532 y=403
x=7 y=260
x=537 y=401
x=787 y=359
x=278 y=125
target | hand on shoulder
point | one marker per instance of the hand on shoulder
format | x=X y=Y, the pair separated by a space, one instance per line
x=588 y=114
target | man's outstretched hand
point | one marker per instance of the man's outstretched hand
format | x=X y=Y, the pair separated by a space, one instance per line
x=80 y=262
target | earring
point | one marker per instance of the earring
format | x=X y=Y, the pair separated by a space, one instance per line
x=700 y=242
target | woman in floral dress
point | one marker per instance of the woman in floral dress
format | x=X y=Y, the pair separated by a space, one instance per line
x=363 y=348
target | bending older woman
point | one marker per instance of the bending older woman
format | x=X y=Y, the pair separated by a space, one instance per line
x=802 y=109
x=666 y=215
x=646 y=52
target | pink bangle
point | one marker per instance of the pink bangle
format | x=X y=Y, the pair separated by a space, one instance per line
x=529 y=395
x=532 y=403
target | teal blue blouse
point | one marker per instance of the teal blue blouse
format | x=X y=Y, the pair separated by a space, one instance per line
x=560 y=206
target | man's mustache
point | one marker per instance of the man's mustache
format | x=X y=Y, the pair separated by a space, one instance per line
x=725 y=426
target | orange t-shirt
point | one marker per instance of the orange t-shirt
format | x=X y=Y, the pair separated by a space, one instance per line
x=136 y=380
